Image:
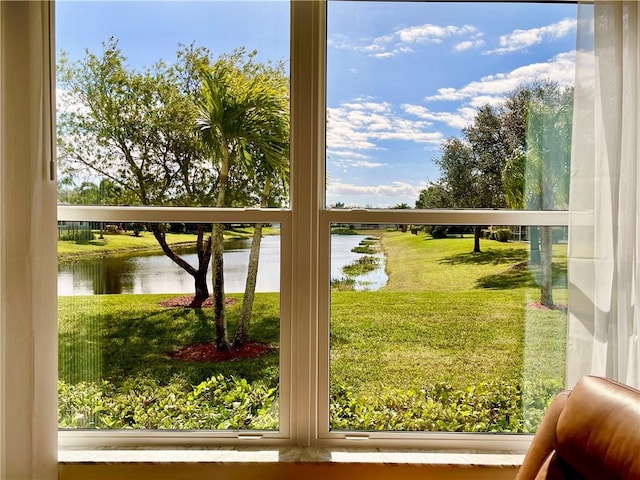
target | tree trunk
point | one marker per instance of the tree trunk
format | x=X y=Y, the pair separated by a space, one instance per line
x=250 y=288
x=546 y=258
x=222 y=340
x=199 y=274
x=534 y=244
x=477 y=233
x=203 y=249
x=242 y=330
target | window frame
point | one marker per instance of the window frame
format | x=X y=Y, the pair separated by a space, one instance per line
x=305 y=276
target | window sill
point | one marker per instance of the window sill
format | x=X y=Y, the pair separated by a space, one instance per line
x=286 y=462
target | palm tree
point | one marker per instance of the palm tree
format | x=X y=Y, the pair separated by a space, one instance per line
x=537 y=176
x=243 y=119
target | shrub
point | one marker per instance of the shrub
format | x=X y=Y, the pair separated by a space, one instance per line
x=84 y=236
x=503 y=234
x=485 y=407
x=439 y=232
x=343 y=229
x=217 y=403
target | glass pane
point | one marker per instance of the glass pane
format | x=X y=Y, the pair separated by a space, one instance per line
x=146 y=343
x=437 y=105
x=430 y=333
x=173 y=103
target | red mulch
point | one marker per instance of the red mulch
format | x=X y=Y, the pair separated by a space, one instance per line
x=186 y=301
x=207 y=352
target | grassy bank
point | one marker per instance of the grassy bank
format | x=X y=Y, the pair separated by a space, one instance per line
x=127 y=242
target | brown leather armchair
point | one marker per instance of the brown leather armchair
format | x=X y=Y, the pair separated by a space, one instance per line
x=590 y=432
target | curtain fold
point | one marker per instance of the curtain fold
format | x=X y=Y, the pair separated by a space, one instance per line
x=28 y=380
x=604 y=215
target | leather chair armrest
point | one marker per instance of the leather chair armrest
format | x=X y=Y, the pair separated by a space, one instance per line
x=543 y=444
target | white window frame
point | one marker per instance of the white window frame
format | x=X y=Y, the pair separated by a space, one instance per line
x=305 y=276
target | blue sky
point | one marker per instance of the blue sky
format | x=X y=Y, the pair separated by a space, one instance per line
x=400 y=77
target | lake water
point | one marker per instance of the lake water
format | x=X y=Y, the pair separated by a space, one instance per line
x=156 y=273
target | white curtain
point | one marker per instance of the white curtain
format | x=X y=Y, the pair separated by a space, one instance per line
x=604 y=243
x=28 y=368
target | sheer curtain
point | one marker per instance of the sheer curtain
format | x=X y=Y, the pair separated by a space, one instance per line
x=28 y=367
x=604 y=244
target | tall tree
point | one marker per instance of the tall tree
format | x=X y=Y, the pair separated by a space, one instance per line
x=488 y=148
x=242 y=120
x=536 y=175
x=135 y=130
x=461 y=180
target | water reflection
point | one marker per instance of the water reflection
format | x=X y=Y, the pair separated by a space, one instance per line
x=156 y=273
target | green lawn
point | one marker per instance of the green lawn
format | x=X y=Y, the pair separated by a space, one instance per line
x=128 y=242
x=446 y=317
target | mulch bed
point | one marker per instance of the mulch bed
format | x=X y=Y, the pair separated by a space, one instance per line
x=186 y=301
x=207 y=352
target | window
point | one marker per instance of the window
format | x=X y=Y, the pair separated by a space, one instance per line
x=350 y=358
x=440 y=127
x=173 y=226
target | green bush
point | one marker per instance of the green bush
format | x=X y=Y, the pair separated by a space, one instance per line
x=439 y=232
x=81 y=236
x=486 y=407
x=503 y=234
x=218 y=403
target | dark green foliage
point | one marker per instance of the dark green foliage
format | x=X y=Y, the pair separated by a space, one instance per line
x=217 y=403
x=484 y=407
x=343 y=229
x=503 y=234
x=83 y=237
x=439 y=232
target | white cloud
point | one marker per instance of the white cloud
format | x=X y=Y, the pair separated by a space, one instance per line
x=475 y=42
x=365 y=164
x=391 y=190
x=360 y=126
x=491 y=90
x=428 y=33
x=403 y=40
x=560 y=69
x=522 y=39
x=458 y=119
x=348 y=154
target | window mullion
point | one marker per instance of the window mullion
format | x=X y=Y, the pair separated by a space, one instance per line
x=308 y=42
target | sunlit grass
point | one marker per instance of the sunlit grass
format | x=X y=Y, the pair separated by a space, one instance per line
x=145 y=241
x=446 y=315
x=118 y=336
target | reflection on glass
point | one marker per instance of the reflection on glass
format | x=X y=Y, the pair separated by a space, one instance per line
x=452 y=340
x=139 y=349
x=437 y=105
